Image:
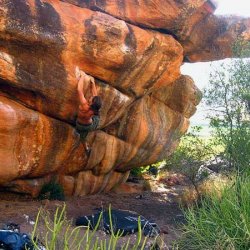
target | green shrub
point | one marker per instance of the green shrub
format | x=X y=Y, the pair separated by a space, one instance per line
x=192 y=152
x=52 y=191
x=228 y=96
x=220 y=221
x=137 y=171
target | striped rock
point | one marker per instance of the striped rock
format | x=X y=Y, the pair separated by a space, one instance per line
x=45 y=41
x=33 y=144
x=177 y=17
x=204 y=36
x=135 y=60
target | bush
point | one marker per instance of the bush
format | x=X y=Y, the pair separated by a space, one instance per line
x=221 y=221
x=52 y=191
x=192 y=152
x=228 y=95
x=138 y=171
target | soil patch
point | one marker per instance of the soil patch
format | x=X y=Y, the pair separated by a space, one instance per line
x=157 y=206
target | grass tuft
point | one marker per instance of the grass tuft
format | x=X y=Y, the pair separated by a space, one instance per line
x=220 y=221
x=58 y=233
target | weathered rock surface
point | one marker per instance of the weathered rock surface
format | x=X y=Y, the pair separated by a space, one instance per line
x=147 y=103
x=204 y=36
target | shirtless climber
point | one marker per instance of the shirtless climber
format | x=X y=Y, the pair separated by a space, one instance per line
x=88 y=110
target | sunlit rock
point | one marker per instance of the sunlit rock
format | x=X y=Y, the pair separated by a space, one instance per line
x=134 y=50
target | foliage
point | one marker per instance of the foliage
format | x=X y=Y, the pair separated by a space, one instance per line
x=228 y=95
x=221 y=221
x=151 y=169
x=52 y=191
x=138 y=171
x=192 y=152
x=61 y=235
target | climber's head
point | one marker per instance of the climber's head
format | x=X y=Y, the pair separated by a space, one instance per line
x=96 y=104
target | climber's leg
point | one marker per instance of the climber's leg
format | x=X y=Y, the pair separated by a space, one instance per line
x=83 y=130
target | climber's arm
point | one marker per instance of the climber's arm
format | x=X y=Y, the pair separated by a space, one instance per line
x=80 y=89
x=93 y=87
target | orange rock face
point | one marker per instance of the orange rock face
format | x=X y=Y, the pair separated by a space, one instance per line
x=133 y=50
x=204 y=36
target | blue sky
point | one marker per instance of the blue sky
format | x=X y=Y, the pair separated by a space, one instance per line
x=200 y=71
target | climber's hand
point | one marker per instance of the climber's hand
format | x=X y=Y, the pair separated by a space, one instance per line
x=82 y=73
x=77 y=73
x=92 y=80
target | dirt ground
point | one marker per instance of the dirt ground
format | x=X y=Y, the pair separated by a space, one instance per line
x=158 y=206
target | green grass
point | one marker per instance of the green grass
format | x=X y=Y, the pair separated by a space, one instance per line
x=220 y=221
x=58 y=233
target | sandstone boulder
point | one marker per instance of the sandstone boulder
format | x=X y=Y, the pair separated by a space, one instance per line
x=204 y=36
x=135 y=58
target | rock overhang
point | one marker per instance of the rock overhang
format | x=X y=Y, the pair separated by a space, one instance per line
x=147 y=102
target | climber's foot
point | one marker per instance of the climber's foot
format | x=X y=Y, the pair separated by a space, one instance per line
x=87 y=149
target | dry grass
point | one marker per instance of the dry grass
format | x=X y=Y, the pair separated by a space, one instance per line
x=210 y=186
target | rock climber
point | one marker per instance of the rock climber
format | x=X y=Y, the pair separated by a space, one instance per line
x=88 y=111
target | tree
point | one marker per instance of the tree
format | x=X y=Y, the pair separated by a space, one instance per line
x=228 y=95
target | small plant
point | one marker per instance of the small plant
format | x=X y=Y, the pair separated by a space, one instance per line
x=138 y=171
x=52 y=191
